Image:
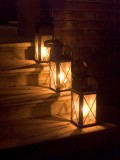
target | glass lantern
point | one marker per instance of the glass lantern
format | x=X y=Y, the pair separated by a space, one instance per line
x=60 y=75
x=42 y=53
x=84 y=105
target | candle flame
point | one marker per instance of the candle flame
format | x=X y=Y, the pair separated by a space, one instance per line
x=85 y=110
x=43 y=53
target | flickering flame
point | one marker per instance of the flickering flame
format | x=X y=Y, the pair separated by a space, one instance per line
x=67 y=69
x=43 y=53
x=85 y=110
x=61 y=76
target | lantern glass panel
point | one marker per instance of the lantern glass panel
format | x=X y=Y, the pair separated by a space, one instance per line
x=36 y=48
x=60 y=75
x=83 y=111
x=65 y=75
x=89 y=109
x=75 y=107
x=45 y=51
x=42 y=53
x=53 y=83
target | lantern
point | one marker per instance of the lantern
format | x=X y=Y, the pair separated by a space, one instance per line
x=42 y=53
x=60 y=75
x=84 y=105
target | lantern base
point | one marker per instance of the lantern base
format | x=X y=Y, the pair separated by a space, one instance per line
x=58 y=90
x=84 y=126
x=42 y=61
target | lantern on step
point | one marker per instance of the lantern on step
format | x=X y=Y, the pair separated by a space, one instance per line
x=84 y=108
x=42 y=53
x=60 y=75
x=83 y=96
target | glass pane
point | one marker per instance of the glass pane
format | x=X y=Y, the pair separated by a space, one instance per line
x=75 y=107
x=36 y=48
x=53 y=75
x=45 y=51
x=65 y=75
x=89 y=109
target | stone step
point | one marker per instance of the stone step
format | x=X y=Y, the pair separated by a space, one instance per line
x=32 y=102
x=17 y=51
x=15 y=64
x=9 y=33
x=23 y=73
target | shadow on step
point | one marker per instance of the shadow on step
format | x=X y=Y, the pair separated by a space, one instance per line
x=30 y=53
x=54 y=105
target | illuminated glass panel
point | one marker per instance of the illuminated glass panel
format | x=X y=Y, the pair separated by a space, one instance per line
x=65 y=75
x=42 y=53
x=45 y=51
x=75 y=107
x=60 y=76
x=36 y=48
x=53 y=82
x=89 y=109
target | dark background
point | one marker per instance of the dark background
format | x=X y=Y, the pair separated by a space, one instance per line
x=8 y=11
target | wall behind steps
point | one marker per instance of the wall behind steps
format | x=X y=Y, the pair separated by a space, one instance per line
x=32 y=13
x=87 y=26
x=28 y=13
x=92 y=29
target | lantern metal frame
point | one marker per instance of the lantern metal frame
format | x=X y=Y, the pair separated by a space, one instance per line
x=79 y=116
x=41 y=49
x=60 y=76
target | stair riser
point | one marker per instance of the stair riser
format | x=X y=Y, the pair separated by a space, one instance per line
x=24 y=80
x=37 y=110
x=12 y=54
x=16 y=53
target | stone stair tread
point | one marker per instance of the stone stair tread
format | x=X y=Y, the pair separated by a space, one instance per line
x=18 y=67
x=40 y=134
x=20 y=71
x=49 y=129
x=30 y=102
x=11 y=64
x=28 y=95
x=15 y=44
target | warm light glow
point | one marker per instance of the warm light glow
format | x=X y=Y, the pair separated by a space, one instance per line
x=62 y=78
x=89 y=109
x=45 y=51
x=77 y=111
x=60 y=75
x=42 y=53
x=83 y=108
x=53 y=75
x=36 y=48
x=75 y=108
x=65 y=75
